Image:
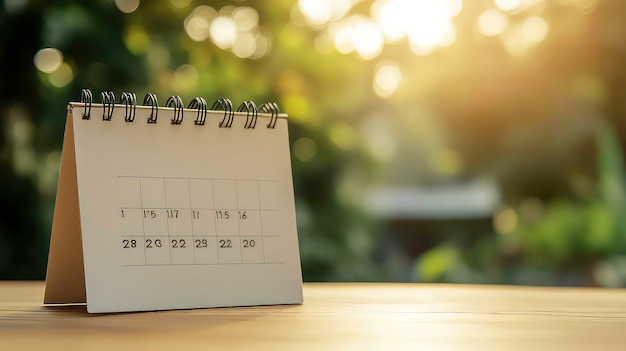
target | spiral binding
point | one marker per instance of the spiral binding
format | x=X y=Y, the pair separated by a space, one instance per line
x=176 y=102
x=271 y=107
x=86 y=98
x=227 y=106
x=130 y=106
x=154 y=102
x=200 y=104
x=129 y=100
x=108 y=104
x=249 y=107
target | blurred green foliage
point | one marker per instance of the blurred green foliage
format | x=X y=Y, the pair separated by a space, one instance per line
x=580 y=242
x=544 y=121
x=144 y=51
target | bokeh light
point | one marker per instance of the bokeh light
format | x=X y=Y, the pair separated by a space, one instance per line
x=263 y=45
x=367 y=39
x=62 y=76
x=386 y=14
x=505 y=221
x=319 y=12
x=48 y=60
x=512 y=93
x=137 y=40
x=450 y=36
x=492 y=23
x=197 y=28
x=342 y=135
x=245 y=45
x=515 y=42
x=245 y=18
x=426 y=23
x=181 y=4
x=343 y=38
x=535 y=29
x=387 y=79
x=127 y=6
x=15 y=6
x=585 y=6
x=508 y=5
x=231 y=28
x=304 y=149
x=223 y=32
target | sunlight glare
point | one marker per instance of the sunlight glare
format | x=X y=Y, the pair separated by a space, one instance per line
x=535 y=29
x=320 y=12
x=450 y=36
x=585 y=6
x=223 y=32
x=508 y=5
x=515 y=42
x=368 y=39
x=387 y=80
x=420 y=50
x=427 y=21
x=492 y=23
x=386 y=14
x=343 y=39
x=455 y=7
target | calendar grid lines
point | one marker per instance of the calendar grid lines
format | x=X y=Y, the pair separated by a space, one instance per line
x=167 y=219
x=261 y=221
x=199 y=221
x=193 y=237
x=203 y=264
x=199 y=236
x=203 y=208
x=143 y=225
x=198 y=178
x=217 y=252
x=238 y=219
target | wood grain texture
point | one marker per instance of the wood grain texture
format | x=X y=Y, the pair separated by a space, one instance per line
x=340 y=316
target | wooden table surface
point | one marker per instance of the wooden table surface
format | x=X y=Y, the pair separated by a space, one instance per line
x=341 y=316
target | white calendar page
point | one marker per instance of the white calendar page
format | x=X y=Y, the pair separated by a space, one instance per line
x=185 y=216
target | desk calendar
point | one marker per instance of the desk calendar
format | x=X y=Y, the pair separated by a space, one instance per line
x=172 y=208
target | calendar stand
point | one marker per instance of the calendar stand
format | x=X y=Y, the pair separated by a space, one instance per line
x=65 y=278
x=191 y=209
